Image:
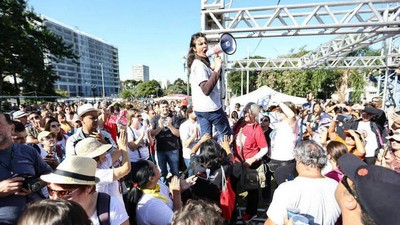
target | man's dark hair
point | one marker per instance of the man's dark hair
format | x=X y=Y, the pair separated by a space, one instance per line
x=164 y=102
x=18 y=126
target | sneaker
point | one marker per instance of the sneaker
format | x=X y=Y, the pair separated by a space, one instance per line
x=248 y=217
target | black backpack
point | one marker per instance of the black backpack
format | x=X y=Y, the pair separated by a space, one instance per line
x=103 y=208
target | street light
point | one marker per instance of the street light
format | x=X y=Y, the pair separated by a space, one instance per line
x=94 y=92
x=184 y=68
x=102 y=78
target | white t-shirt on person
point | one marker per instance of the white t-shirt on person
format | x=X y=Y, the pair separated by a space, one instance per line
x=155 y=211
x=186 y=130
x=283 y=141
x=107 y=184
x=314 y=197
x=118 y=213
x=199 y=73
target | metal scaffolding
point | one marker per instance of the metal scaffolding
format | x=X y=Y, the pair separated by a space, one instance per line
x=358 y=23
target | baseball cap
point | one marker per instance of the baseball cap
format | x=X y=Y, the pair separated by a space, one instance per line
x=378 y=188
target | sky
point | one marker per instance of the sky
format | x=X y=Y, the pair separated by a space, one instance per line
x=157 y=33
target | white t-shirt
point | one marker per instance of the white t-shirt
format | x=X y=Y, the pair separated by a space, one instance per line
x=199 y=72
x=134 y=134
x=107 y=184
x=314 y=197
x=371 y=141
x=118 y=213
x=283 y=141
x=155 y=211
x=186 y=130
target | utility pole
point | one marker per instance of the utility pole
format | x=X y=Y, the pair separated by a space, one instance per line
x=102 y=79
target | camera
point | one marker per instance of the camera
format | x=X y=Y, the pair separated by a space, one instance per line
x=31 y=182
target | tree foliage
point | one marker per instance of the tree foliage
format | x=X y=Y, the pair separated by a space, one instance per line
x=323 y=83
x=24 y=44
x=149 y=88
x=129 y=84
x=178 y=87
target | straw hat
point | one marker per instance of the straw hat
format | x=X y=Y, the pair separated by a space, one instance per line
x=44 y=134
x=85 y=108
x=91 y=147
x=19 y=114
x=74 y=170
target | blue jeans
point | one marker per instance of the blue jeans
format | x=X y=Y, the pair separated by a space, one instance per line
x=187 y=164
x=217 y=118
x=170 y=157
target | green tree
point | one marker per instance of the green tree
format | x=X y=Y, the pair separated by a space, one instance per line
x=129 y=84
x=126 y=94
x=235 y=79
x=149 y=88
x=178 y=87
x=24 y=44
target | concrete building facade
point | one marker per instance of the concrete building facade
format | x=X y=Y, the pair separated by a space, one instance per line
x=141 y=72
x=94 y=72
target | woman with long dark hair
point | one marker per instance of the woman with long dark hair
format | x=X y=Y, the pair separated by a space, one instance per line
x=150 y=201
x=206 y=96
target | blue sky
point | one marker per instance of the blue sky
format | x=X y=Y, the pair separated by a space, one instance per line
x=156 y=33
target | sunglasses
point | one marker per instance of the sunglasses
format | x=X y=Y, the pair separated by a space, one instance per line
x=55 y=125
x=34 y=117
x=138 y=116
x=393 y=140
x=61 y=193
x=265 y=120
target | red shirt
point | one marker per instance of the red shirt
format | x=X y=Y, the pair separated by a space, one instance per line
x=253 y=140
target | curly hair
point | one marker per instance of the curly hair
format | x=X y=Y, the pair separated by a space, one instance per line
x=310 y=153
x=198 y=212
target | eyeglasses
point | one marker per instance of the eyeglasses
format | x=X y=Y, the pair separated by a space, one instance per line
x=347 y=186
x=55 y=125
x=34 y=117
x=61 y=193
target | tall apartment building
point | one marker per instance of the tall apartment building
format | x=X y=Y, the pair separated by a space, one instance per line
x=141 y=72
x=96 y=69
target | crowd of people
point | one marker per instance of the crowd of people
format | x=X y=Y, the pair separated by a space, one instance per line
x=151 y=159
x=159 y=163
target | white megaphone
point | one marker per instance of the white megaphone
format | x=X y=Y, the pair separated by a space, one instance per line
x=227 y=45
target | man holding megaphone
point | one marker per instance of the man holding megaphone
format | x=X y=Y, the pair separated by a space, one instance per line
x=206 y=100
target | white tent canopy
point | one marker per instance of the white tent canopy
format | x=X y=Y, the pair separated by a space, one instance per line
x=265 y=96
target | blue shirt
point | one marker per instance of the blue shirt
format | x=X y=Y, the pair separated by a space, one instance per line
x=18 y=159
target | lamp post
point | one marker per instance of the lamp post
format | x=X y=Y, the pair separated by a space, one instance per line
x=102 y=79
x=94 y=92
x=184 y=69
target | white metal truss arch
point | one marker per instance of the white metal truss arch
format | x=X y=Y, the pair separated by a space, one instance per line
x=367 y=16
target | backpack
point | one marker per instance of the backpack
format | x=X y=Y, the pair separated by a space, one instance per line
x=103 y=208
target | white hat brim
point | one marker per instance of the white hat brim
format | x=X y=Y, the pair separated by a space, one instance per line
x=99 y=151
x=88 y=110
